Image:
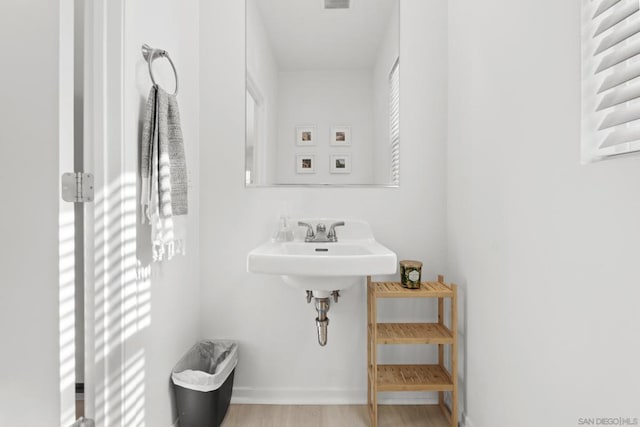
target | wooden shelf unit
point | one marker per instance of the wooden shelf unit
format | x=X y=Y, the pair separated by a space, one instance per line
x=413 y=377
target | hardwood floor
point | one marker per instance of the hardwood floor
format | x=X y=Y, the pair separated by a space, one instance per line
x=334 y=416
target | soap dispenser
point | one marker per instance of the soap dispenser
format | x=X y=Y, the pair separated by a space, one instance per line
x=285 y=233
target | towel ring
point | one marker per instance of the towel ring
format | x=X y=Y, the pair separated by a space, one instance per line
x=150 y=54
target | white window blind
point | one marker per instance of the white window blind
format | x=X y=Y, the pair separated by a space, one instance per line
x=394 y=121
x=610 y=78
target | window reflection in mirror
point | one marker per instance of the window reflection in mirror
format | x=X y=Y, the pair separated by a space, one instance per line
x=333 y=71
x=251 y=140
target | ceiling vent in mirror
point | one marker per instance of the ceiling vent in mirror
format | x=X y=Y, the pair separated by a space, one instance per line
x=336 y=4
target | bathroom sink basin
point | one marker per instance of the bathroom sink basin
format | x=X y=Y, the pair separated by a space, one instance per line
x=324 y=266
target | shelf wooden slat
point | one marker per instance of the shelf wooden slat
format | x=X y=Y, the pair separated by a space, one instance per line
x=413 y=333
x=426 y=290
x=413 y=378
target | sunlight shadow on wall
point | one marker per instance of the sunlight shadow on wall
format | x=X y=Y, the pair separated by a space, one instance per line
x=134 y=390
x=66 y=299
x=122 y=307
x=137 y=302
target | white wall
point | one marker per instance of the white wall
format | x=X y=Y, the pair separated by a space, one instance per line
x=325 y=99
x=159 y=338
x=545 y=248
x=387 y=56
x=280 y=359
x=29 y=367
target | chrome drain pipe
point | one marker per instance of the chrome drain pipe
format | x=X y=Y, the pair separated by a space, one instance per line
x=322 y=321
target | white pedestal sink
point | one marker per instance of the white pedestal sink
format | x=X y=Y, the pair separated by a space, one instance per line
x=324 y=267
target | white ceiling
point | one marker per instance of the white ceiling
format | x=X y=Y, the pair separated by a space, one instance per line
x=305 y=36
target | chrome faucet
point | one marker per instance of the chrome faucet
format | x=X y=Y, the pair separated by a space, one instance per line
x=331 y=235
x=321 y=235
x=310 y=234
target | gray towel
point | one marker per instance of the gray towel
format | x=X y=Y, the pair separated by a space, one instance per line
x=162 y=137
x=164 y=175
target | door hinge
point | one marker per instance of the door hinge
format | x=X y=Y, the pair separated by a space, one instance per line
x=77 y=187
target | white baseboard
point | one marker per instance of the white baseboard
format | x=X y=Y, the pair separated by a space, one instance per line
x=333 y=396
x=407 y=398
x=297 y=396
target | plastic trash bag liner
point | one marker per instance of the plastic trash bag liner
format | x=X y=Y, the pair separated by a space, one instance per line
x=206 y=366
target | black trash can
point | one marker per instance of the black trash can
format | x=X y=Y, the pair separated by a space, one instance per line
x=203 y=381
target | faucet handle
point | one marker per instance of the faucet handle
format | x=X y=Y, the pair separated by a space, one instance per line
x=332 y=231
x=310 y=234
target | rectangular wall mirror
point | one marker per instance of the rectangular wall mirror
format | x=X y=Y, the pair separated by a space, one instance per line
x=322 y=93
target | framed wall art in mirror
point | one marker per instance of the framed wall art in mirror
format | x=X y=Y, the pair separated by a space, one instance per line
x=340 y=135
x=306 y=136
x=306 y=163
x=340 y=163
